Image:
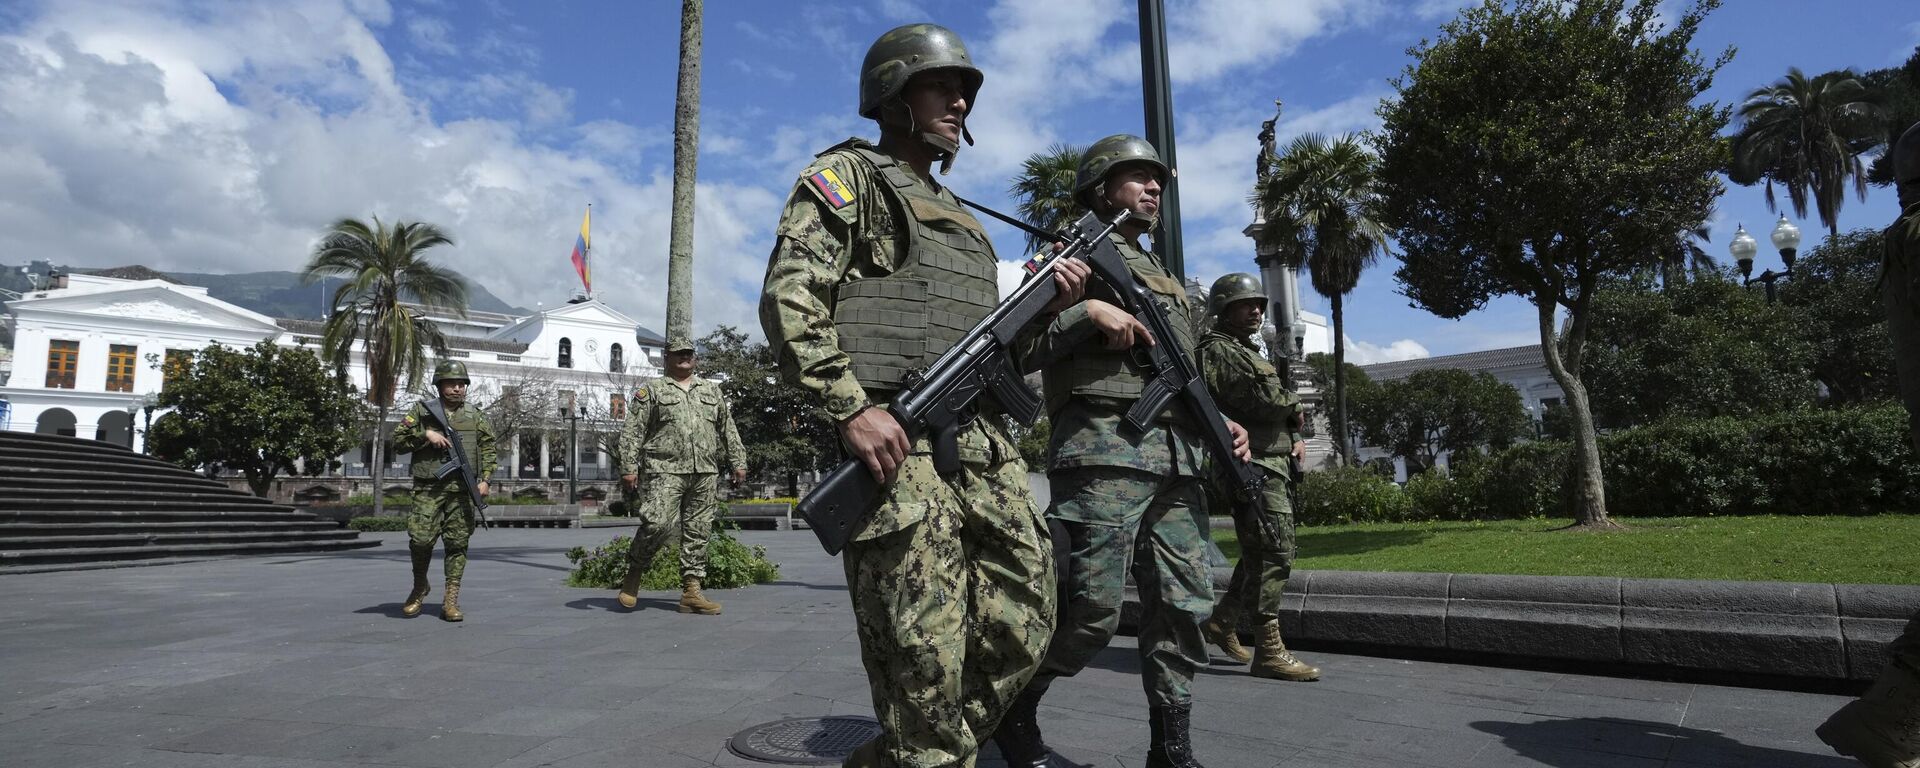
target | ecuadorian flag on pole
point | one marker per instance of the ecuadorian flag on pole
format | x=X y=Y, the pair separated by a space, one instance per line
x=580 y=248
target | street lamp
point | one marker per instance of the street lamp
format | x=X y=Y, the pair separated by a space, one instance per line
x=573 y=451
x=1786 y=240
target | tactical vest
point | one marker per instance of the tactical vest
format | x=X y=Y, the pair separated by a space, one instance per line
x=1095 y=371
x=944 y=283
x=427 y=461
x=1267 y=424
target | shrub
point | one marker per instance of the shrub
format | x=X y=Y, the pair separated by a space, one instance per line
x=1432 y=495
x=730 y=564
x=1350 y=495
x=371 y=523
x=366 y=500
x=1520 y=482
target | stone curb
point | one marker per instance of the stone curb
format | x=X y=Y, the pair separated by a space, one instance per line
x=1814 y=631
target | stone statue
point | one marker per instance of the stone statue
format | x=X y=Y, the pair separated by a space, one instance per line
x=1263 y=165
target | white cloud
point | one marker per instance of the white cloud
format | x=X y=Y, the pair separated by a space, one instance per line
x=432 y=34
x=1365 y=353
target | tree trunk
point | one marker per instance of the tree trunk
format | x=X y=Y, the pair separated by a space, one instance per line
x=260 y=482
x=1586 y=494
x=380 y=463
x=1340 y=431
x=686 y=153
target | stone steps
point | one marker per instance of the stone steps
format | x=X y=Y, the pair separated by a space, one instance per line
x=96 y=555
x=10 y=543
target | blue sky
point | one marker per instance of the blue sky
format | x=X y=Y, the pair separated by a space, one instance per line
x=222 y=136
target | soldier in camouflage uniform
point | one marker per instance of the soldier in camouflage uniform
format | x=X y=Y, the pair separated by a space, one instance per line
x=1122 y=496
x=441 y=508
x=1882 y=728
x=1251 y=391
x=677 y=430
x=875 y=272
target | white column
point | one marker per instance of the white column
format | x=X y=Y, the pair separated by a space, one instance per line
x=546 y=451
x=513 y=468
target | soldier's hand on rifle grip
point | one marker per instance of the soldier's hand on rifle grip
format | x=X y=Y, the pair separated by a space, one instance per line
x=1119 y=327
x=1240 y=449
x=632 y=482
x=1071 y=278
x=739 y=476
x=483 y=488
x=438 y=440
x=1300 y=450
x=876 y=439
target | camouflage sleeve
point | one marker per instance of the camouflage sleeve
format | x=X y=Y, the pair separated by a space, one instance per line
x=1057 y=340
x=1229 y=371
x=411 y=434
x=632 y=438
x=489 y=458
x=810 y=255
x=730 y=445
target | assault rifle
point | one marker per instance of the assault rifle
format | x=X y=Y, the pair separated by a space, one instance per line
x=459 y=461
x=941 y=399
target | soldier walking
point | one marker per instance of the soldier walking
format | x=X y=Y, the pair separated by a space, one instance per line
x=678 y=430
x=1882 y=728
x=1252 y=392
x=875 y=272
x=441 y=507
x=1122 y=496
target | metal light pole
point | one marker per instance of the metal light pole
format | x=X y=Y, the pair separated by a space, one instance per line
x=1157 y=91
x=1786 y=240
x=573 y=451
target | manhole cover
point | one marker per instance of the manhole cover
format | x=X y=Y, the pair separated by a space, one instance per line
x=805 y=740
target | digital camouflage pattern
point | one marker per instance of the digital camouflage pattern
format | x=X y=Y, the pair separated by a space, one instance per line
x=441 y=508
x=1250 y=391
x=951 y=579
x=675 y=505
x=672 y=429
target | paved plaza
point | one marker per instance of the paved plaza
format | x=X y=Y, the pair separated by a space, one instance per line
x=305 y=661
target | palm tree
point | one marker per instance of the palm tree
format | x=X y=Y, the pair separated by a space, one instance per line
x=1686 y=258
x=381 y=267
x=1320 y=209
x=686 y=151
x=1806 y=134
x=1045 y=191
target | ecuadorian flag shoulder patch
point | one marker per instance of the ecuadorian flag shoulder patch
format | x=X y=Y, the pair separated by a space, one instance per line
x=831 y=188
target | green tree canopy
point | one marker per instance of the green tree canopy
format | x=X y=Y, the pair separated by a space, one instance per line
x=1044 y=189
x=1807 y=134
x=1898 y=91
x=1443 y=410
x=1531 y=151
x=263 y=411
x=1834 y=300
x=781 y=424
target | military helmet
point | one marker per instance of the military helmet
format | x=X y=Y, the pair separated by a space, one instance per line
x=450 y=370
x=1237 y=286
x=906 y=51
x=1111 y=151
x=1906 y=157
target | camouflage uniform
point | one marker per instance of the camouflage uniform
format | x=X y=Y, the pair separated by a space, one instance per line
x=1250 y=391
x=1900 y=292
x=441 y=508
x=1125 y=497
x=677 y=436
x=951 y=578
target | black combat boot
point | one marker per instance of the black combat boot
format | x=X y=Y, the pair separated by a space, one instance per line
x=1172 y=747
x=1018 y=735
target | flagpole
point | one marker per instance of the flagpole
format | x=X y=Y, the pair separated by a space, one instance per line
x=589 y=254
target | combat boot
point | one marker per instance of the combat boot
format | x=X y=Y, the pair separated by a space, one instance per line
x=1018 y=735
x=691 y=601
x=1881 y=728
x=630 y=587
x=1172 y=745
x=450 y=607
x=1223 y=630
x=1272 y=659
x=422 y=557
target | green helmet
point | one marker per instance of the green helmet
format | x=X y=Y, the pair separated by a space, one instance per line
x=906 y=51
x=1106 y=153
x=1237 y=286
x=450 y=370
x=1906 y=157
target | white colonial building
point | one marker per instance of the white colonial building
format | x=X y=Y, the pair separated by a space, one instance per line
x=1524 y=368
x=87 y=358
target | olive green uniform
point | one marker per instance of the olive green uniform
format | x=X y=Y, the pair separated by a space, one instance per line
x=1125 y=497
x=1250 y=391
x=441 y=508
x=875 y=272
x=678 y=436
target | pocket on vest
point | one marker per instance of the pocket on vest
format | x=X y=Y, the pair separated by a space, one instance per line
x=882 y=323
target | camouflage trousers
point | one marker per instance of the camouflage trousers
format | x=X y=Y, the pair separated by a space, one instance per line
x=1119 y=519
x=442 y=511
x=673 y=504
x=1261 y=575
x=954 y=610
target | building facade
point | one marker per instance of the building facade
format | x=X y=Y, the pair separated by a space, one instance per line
x=1524 y=368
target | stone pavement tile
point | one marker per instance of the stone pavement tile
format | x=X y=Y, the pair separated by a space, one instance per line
x=1773 y=723
x=703 y=739
x=74 y=697
x=588 y=696
x=447 y=715
x=1344 y=664
x=245 y=737
x=1402 y=743
x=405 y=746
x=1455 y=717
x=213 y=698
x=1581 y=705
x=533 y=721
x=1712 y=749
x=50 y=755
x=1531 y=755
x=1759 y=698
x=1625 y=688
x=1439 y=691
x=636 y=724
x=1652 y=741
x=103 y=728
x=1320 y=758
x=337 y=710
x=637 y=671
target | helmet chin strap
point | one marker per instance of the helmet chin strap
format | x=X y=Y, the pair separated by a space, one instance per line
x=943 y=148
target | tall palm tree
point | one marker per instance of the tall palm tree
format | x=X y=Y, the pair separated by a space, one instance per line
x=381 y=267
x=1045 y=190
x=1686 y=259
x=1320 y=206
x=1807 y=134
x=686 y=151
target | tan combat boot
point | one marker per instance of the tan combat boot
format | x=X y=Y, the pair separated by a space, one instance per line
x=1223 y=630
x=450 y=607
x=630 y=587
x=1272 y=659
x=1881 y=728
x=691 y=601
x=421 y=559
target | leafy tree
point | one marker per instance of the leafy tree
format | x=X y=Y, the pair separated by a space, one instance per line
x=1444 y=410
x=1898 y=91
x=1045 y=190
x=1685 y=259
x=1834 y=300
x=263 y=411
x=1700 y=349
x=1322 y=210
x=1531 y=151
x=1362 y=392
x=383 y=267
x=1807 y=134
x=780 y=424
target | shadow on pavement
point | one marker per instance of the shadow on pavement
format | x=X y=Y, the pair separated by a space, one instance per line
x=612 y=605
x=808 y=585
x=1577 y=741
x=390 y=610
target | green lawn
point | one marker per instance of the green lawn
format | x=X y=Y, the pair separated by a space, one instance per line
x=1844 y=550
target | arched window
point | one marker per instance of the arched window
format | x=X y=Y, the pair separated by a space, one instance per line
x=566 y=353
x=616 y=360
